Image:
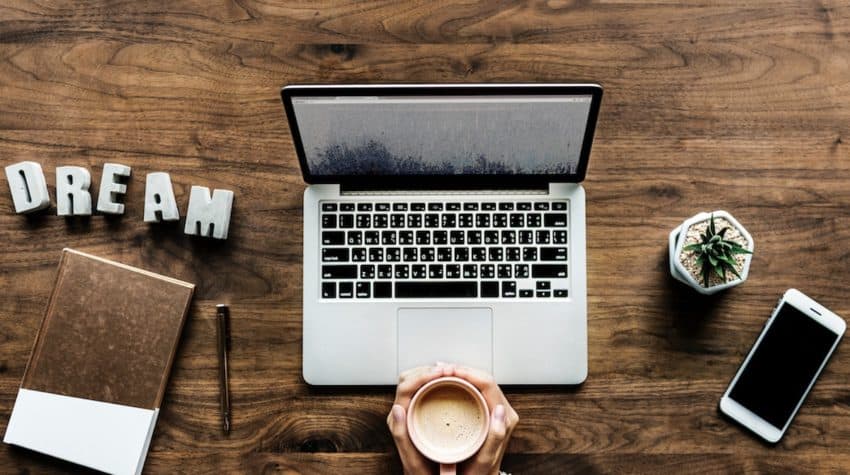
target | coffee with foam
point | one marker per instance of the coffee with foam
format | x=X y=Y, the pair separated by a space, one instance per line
x=449 y=418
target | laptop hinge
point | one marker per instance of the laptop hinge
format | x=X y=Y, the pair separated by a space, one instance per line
x=442 y=190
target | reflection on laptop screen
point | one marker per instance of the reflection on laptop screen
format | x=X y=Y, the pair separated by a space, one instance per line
x=455 y=135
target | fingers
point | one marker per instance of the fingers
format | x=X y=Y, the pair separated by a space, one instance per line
x=411 y=459
x=413 y=379
x=485 y=383
x=489 y=457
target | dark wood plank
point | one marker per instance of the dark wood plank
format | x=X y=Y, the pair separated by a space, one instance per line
x=744 y=107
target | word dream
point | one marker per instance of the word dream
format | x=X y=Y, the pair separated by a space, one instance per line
x=206 y=215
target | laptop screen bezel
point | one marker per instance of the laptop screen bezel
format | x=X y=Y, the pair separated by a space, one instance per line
x=428 y=90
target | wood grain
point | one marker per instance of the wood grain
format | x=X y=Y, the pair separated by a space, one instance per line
x=708 y=105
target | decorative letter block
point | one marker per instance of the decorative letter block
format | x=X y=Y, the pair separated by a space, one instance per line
x=72 y=191
x=159 y=198
x=29 y=190
x=209 y=217
x=110 y=188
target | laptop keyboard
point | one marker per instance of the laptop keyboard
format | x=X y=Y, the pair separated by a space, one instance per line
x=444 y=249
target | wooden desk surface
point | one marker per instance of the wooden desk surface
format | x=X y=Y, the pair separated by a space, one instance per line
x=720 y=105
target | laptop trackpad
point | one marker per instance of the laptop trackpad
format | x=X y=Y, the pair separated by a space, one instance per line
x=454 y=335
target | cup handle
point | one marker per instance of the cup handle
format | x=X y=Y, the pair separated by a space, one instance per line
x=448 y=469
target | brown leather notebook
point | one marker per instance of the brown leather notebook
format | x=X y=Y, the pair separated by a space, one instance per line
x=109 y=334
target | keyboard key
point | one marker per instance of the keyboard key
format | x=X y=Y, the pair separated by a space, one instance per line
x=544 y=293
x=371 y=238
x=508 y=237
x=339 y=271
x=382 y=290
x=364 y=290
x=555 y=220
x=489 y=289
x=401 y=271
x=440 y=237
x=448 y=221
x=346 y=207
x=355 y=238
x=367 y=271
x=542 y=236
x=410 y=254
x=561 y=293
x=559 y=237
x=432 y=220
x=405 y=238
x=399 y=206
x=526 y=237
x=523 y=206
x=488 y=206
x=444 y=254
x=526 y=293
x=396 y=221
x=435 y=206
x=533 y=220
x=423 y=237
x=491 y=237
x=452 y=206
x=414 y=220
x=517 y=220
x=452 y=271
x=461 y=254
x=444 y=289
x=346 y=290
x=457 y=237
x=328 y=221
x=358 y=254
x=473 y=237
x=500 y=220
x=364 y=206
x=496 y=254
x=427 y=254
x=559 y=205
x=333 y=238
x=328 y=206
x=435 y=271
x=465 y=220
x=543 y=285
x=470 y=271
x=541 y=206
x=346 y=221
x=376 y=254
x=388 y=238
x=488 y=271
x=506 y=206
x=529 y=254
x=382 y=207
x=329 y=290
x=504 y=271
x=509 y=289
x=418 y=271
x=381 y=221
x=553 y=253
x=385 y=271
x=512 y=254
x=520 y=271
x=417 y=207
x=337 y=254
x=479 y=254
x=393 y=254
x=482 y=220
x=470 y=206
x=549 y=271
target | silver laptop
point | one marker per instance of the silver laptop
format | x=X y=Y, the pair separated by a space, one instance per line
x=444 y=223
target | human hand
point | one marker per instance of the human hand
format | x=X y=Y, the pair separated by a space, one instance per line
x=413 y=462
x=503 y=420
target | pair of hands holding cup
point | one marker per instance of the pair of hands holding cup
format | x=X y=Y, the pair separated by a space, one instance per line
x=502 y=419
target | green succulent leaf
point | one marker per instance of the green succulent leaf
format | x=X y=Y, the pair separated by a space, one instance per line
x=715 y=254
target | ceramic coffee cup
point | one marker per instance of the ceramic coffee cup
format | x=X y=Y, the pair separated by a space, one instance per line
x=448 y=420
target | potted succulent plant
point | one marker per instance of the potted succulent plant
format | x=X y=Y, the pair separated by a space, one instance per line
x=710 y=252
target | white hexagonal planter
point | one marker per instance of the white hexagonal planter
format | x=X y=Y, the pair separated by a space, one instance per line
x=677 y=241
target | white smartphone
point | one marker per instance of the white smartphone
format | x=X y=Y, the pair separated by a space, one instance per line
x=782 y=366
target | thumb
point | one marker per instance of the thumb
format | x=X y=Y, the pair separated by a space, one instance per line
x=411 y=459
x=491 y=451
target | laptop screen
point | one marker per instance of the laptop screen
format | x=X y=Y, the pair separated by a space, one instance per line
x=472 y=134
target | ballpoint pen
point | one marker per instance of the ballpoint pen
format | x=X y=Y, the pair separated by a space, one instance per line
x=223 y=317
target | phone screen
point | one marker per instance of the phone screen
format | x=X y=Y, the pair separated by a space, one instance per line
x=783 y=366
